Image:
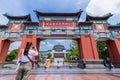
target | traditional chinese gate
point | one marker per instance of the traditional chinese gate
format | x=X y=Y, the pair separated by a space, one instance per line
x=62 y=26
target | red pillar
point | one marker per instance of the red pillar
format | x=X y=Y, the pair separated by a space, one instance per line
x=4 y=46
x=88 y=47
x=25 y=39
x=114 y=49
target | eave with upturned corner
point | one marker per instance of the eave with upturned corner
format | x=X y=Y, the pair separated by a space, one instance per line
x=104 y=17
x=25 y=17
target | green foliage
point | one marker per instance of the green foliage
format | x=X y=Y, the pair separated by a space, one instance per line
x=66 y=59
x=74 y=44
x=49 y=55
x=40 y=55
x=52 y=59
x=104 y=54
x=12 y=55
x=101 y=46
x=102 y=49
x=73 y=51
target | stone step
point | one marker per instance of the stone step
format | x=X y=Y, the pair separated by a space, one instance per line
x=64 y=71
x=95 y=66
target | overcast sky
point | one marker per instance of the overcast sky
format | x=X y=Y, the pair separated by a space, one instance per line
x=91 y=7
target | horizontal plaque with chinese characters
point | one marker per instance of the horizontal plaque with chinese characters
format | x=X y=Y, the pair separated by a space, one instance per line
x=58 y=23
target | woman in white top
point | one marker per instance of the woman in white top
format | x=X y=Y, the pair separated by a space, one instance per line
x=25 y=67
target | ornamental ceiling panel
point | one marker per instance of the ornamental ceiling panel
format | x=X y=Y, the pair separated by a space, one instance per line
x=100 y=27
x=16 y=27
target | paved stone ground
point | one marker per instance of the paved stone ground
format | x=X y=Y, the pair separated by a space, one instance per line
x=67 y=77
x=64 y=73
x=62 y=70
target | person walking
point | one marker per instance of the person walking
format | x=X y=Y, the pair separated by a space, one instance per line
x=25 y=66
x=58 y=65
x=107 y=63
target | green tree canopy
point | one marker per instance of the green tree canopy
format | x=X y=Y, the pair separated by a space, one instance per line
x=49 y=55
x=102 y=49
x=40 y=55
x=12 y=55
x=73 y=50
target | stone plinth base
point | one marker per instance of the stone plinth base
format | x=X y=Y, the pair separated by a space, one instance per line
x=93 y=64
x=116 y=64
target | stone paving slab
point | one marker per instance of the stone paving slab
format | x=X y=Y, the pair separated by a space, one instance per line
x=68 y=77
x=64 y=71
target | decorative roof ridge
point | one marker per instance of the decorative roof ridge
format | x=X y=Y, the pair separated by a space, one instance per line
x=78 y=14
x=57 y=12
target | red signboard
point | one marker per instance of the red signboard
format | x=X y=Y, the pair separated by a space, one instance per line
x=58 y=23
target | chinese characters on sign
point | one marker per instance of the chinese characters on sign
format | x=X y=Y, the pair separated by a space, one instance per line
x=60 y=23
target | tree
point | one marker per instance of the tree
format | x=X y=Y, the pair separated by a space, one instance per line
x=74 y=44
x=73 y=50
x=12 y=55
x=49 y=55
x=102 y=49
x=40 y=55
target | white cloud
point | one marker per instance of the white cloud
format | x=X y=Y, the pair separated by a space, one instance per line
x=3 y=20
x=49 y=44
x=15 y=45
x=45 y=45
x=13 y=7
x=60 y=41
x=101 y=7
x=42 y=42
